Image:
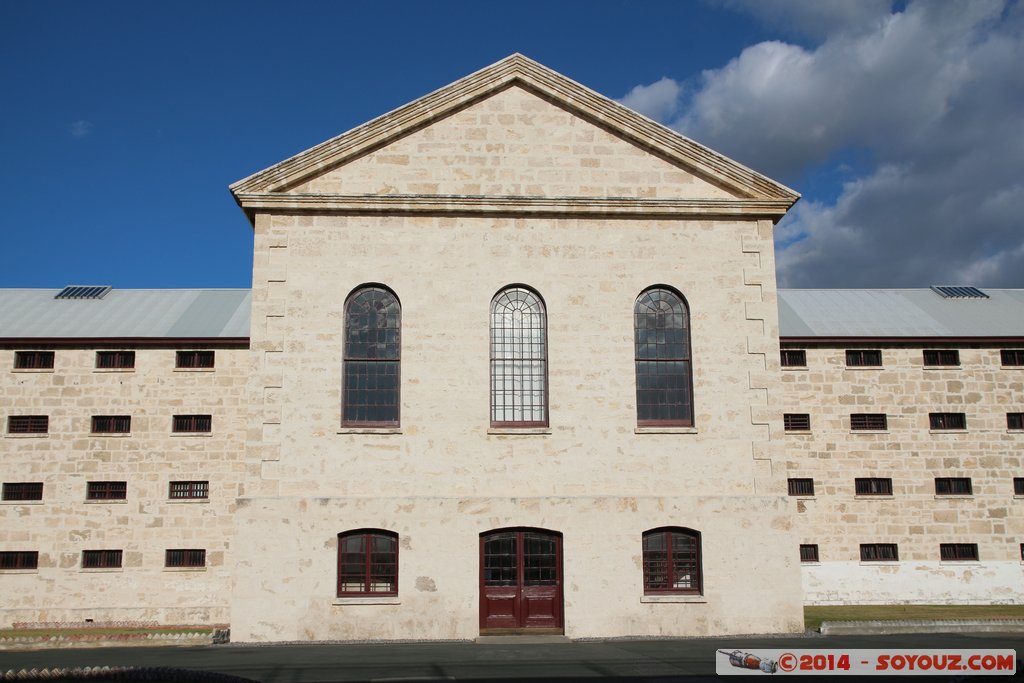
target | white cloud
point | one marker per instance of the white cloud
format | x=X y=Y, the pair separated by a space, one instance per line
x=659 y=100
x=933 y=94
x=80 y=128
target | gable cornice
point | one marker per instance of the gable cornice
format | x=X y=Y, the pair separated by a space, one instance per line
x=515 y=70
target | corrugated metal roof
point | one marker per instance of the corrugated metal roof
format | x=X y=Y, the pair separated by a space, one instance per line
x=224 y=313
x=126 y=314
x=899 y=313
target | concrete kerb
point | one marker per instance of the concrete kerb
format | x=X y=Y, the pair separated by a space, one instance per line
x=881 y=628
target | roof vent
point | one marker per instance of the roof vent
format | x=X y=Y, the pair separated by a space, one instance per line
x=960 y=292
x=83 y=292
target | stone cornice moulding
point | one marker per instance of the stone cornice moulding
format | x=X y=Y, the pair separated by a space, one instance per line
x=515 y=70
x=535 y=206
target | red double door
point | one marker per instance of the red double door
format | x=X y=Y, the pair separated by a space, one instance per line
x=521 y=581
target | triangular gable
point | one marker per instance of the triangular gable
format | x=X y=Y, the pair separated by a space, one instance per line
x=514 y=73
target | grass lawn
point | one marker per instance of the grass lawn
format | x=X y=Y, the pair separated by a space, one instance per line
x=813 y=616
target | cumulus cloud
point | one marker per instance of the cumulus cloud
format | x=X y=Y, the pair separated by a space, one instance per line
x=80 y=128
x=934 y=94
x=659 y=100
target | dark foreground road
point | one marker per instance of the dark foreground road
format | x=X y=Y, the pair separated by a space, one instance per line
x=624 y=660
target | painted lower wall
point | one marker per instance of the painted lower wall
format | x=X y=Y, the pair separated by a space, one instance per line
x=285 y=579
x=916 y=582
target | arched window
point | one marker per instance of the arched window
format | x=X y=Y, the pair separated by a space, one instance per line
x=519 y=373
x=373 y=347
x=664 y=385
x=672 y=561
x=367 y=563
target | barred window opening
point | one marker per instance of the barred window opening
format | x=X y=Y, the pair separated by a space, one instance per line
x=519 y=396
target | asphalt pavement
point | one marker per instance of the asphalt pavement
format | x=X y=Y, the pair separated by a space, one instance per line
x=622 y=660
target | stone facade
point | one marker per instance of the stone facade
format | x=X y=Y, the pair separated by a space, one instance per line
x=512 y=176
x=147 y=522
x=912 y=455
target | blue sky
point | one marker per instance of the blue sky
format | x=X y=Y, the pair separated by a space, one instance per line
x=123 y=123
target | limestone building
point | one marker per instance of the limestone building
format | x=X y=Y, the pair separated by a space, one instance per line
x=510 y=363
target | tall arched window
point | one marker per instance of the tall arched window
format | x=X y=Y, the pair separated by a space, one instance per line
x=519 y=373
x=672 y=561
x=367 y=563
x=373 y=346
x=664 y=385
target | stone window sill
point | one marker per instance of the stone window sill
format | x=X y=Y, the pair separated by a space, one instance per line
x=794 y=368
x=30 y=502
x=941 y=496
x=665 y=430
x=34 y=371
x=186 y=435
x=103 y=371
x=370 y=600
x=109 y=435
x=860 y=368
x=947 y=431
x=29 y=571
x=187 y=501
x=519 y=431
x=195 y=369
x=370 y=430
x=695 y=599
x=184 y=569
x=878 y=563
x=27 y=436
x=106 y=501
x=102 y=570
x=871 y=497
x=869 y=431
x=959 y=563
x=816 y=564
x=804 y=497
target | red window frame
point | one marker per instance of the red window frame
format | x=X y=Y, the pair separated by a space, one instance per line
x=947 y=421
x=675 y=566
x=19 y=559
x=941 y=357
x=368 y=570
x=188 y=490
x=106 y=490
x=518 y=358
x=115 y=360
x=873 y=486
x=663 y=358
x=33 y=360
x=22 y=490
x=953 y=486
x=102 y=559
x=793 y=358
x=958 y=552
x=185 y=557
x=863 y=358
x=796 y=422
x=879 y=552
x=875 y=422
x=1011 y=357
x=28 y=424
x=192 y=424
x=195 y=359
x=809 y=552
x=801 y=486
x=111 y=424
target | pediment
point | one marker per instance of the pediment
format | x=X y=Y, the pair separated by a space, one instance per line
x=515 y=129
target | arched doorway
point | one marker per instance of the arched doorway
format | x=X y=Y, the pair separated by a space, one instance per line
x=521 y=581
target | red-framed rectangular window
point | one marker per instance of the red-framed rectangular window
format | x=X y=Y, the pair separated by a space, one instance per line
x=879 y=552
x=28 y=424
x=19 y=559
x=194 y=359
x=106 y=490
x=869 y=422
x=672 y=561
x=958 y=552
x=23 y=490
x=192 y=424
x=115 y=360
x=111 y=424
x=102 y=559
x=190 y=557
x=33 y=360
x=188 y=489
